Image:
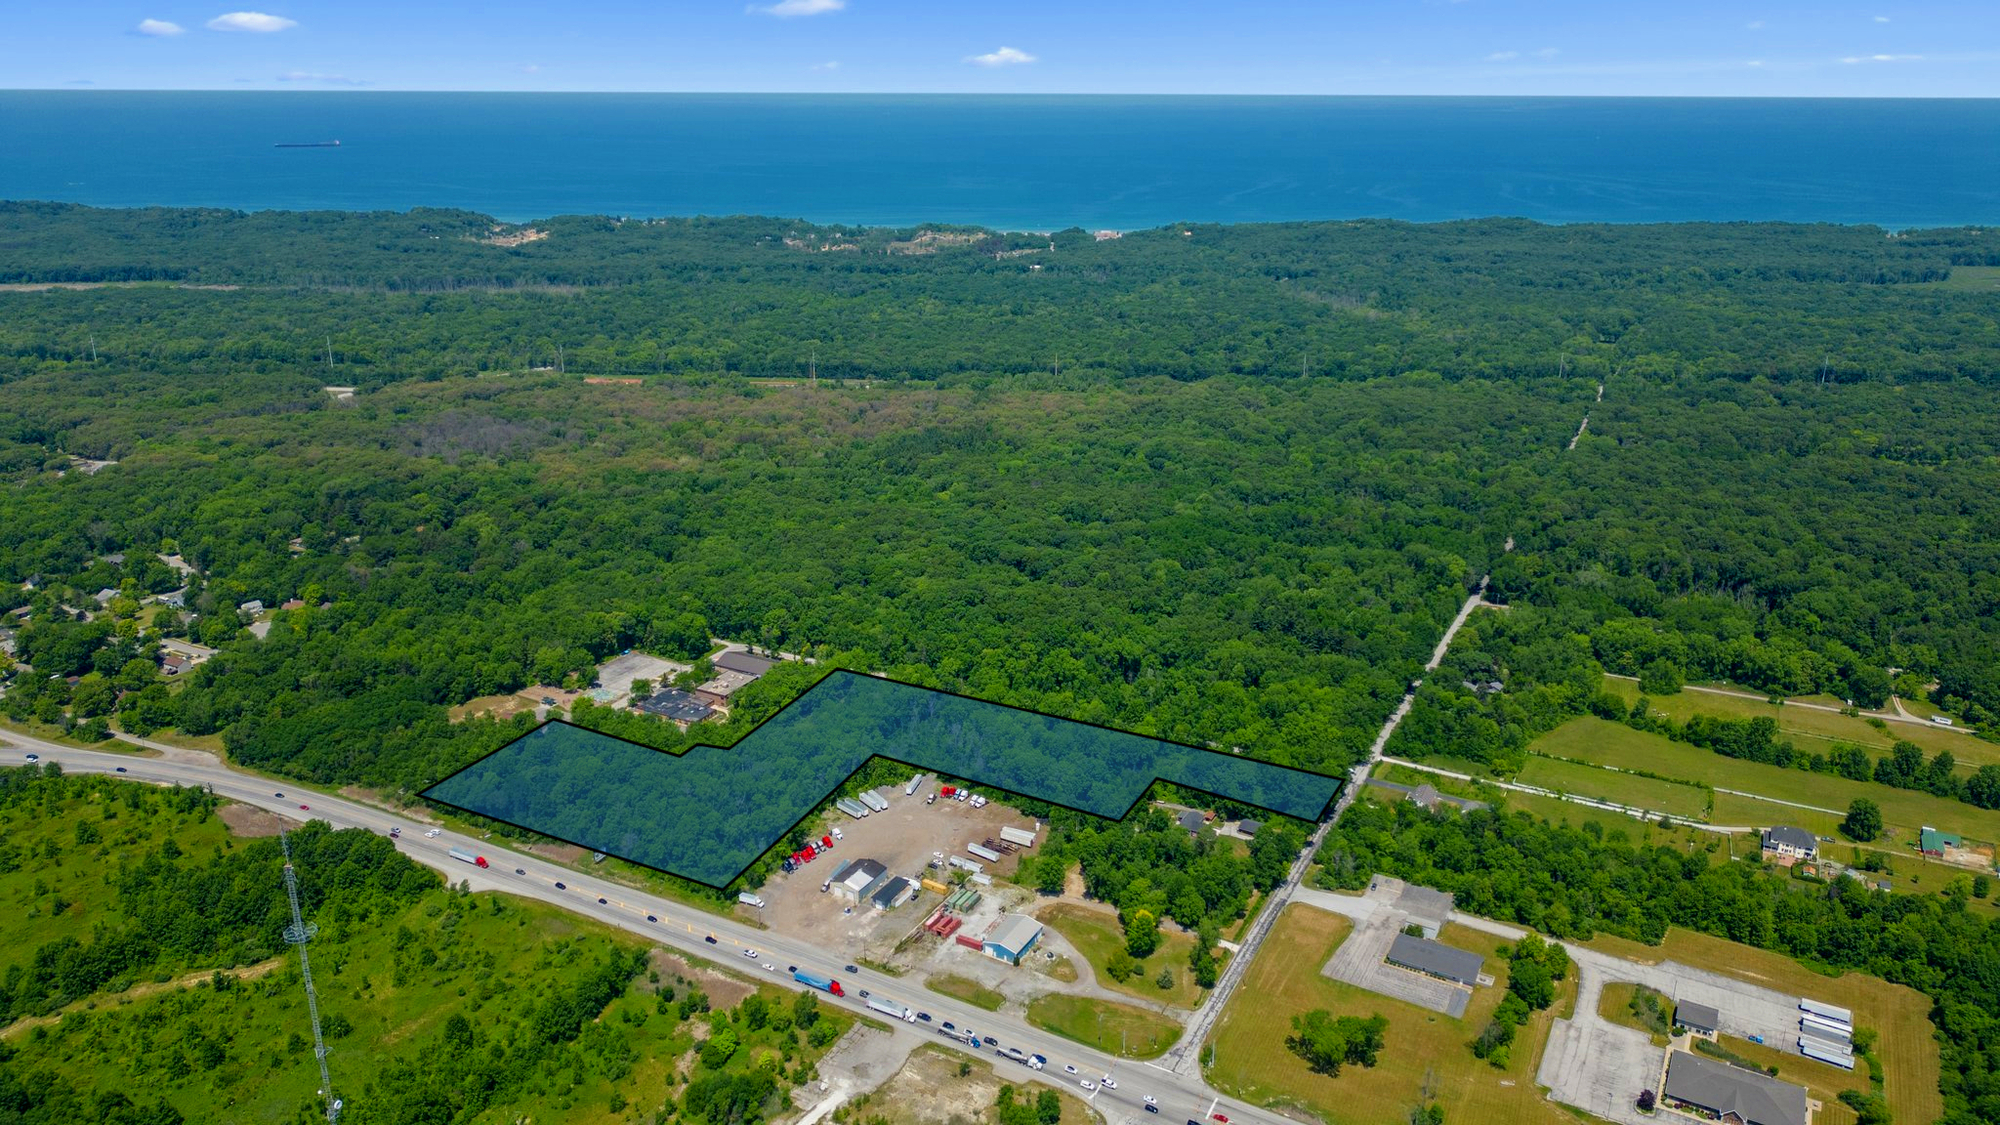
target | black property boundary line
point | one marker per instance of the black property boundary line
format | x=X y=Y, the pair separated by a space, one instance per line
x=822 y=800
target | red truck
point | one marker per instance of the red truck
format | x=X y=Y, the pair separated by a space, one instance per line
x=463 y=856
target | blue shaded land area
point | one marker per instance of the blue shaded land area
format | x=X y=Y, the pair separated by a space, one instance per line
x=708 y=814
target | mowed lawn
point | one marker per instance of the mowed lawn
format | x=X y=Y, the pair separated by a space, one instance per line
x=1096 y=935
x=1811 y=729
x=1900 y=1015
x=970 y=991
x=1619 y=788
x=1421 y=1048
x=1136 y=1033
x=1597 y=741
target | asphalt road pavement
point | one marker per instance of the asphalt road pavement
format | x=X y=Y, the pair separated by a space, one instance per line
x=1182 y=1097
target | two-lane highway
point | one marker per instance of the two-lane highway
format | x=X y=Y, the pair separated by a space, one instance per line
x=1181 y=1097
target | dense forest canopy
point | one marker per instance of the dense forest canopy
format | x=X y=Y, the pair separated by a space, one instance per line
x=1179 y=534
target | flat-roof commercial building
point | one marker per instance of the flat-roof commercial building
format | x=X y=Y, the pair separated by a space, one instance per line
x=751 y=666
x=1731 y=1093
x=1011 y=938
x=1699 y=1018
x=858 y=880
x=676 y=705
x=722 y=687
x=1422 y=955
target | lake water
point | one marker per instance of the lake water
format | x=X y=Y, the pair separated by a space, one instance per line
x=1025 y=163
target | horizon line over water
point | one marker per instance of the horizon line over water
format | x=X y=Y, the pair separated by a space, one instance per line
x=1016 y=162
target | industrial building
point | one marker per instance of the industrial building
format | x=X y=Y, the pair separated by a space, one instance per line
x=1422 y=955
x=1011 y=938
x=1730 y=1093
x=893 y=893
x=858 y=880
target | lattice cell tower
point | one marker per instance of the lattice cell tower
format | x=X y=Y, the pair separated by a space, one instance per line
x=299 y=933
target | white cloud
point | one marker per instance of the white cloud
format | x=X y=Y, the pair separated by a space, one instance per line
x=321 y=79
x=531 y=68
x=1754 y=62
x=1548 y=52
x=1853 y=59
x=1503 y=56
x=830 y=64
x=250 y=21
x=1005 y=56
x=1755 y=25
x=1881 y=19
x=158 y=29
x=786 y=9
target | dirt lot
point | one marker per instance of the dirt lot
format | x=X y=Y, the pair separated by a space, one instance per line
x=498 y=706
x=903 y=839
x=724 y=991
x=928 y=1091
x=249 y=820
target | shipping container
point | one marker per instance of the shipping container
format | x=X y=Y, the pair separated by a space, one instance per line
x=1021 y=836
x=912 y=786
x=965 y=864
x=983 y=852
x=851 y=807
x=1829 y=1030
x=873 y=800
x=1828 y=1053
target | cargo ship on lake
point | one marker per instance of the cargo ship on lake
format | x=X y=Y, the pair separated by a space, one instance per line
x=307 y=144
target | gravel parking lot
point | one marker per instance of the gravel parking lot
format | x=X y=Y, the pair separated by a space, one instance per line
x=902 y=838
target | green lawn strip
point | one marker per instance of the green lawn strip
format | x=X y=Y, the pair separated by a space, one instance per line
x=970 y=991
x=1594 y=740
x=1619 y=1003
x=1629 y=789
x=1097 y=936
x=1105 y=1024
x=1813 y=730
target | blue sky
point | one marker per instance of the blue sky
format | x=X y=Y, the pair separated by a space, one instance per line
x=1630 y=47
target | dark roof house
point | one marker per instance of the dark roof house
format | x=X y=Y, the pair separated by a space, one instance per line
x=1734 y=1095
x=1697 y=1017
x=1191 y=820
x=1432 y=959
x=1793 y=841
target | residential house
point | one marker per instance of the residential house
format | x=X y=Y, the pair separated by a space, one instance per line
x=1785 y=845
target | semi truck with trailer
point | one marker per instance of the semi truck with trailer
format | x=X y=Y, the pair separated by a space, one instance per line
x=911 y=788
x=814 y=980
x=463 y=856
x=892 y=1009
x=851 y=807
x=873 y=800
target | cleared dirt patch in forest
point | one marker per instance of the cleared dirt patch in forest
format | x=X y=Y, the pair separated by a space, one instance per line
x=724 y=991
x=251 y=821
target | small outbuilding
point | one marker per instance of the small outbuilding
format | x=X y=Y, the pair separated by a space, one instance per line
x=1698 y=1018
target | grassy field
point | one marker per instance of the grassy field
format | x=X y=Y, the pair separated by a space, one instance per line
x=1811 y=729
x=970 y=991
x=1104 y=1024
x=1423 y=1049
x=1619 y=788
x=59 y=887
x=1594 y=740
x=1900 y=1015
x=1096 y=935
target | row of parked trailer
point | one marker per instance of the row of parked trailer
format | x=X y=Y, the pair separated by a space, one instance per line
x=1826 y=1033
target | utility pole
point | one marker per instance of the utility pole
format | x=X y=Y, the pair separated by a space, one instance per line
x=812 y=367
x=299 y=933
x=560 y=369
x=93 y=347
x=329 y=357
